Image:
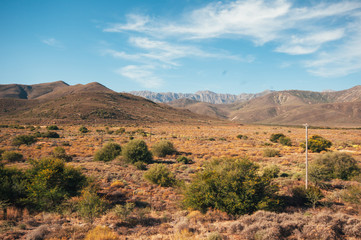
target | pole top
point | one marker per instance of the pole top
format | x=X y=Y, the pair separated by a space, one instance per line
x=306 y=125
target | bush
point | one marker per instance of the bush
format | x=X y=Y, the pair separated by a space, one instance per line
x=160 y=174
x=12 y=156
x=108 y=152
x=23 y=139
x=50 y=135
x=52 y=127
x=140 y=165
x=352 y=194
x=232 y=186
x=12 y=186
x=303 y=197
x=271 y=171
x=137 y=151
x=124 y=211
x=269 y=152
x=59 y=153
x=101 y=233
x=333 y=165
x=286 y=141
x=90 y=205
x=317 y=144
x=50 y=182
x=163 y=148
x=83 y=129
x=276 y=136
x=183 y=159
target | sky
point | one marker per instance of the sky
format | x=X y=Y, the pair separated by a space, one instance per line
x=227 y=46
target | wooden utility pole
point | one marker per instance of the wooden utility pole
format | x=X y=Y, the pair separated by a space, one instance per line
x=306 y=125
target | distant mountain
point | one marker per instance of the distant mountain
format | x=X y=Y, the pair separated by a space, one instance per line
x=61 y=103
x=200 y=96
x=293 y=107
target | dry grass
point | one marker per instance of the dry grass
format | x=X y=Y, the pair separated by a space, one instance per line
x=158 y=213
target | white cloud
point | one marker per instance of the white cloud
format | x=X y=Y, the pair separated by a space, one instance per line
x=141 y=74
x=309 y=44
x=53 y=42
x=326 y=31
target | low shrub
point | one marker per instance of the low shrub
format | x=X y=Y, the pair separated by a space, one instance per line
x=137 y=151
x=50 y=134
x=183 y=159
x=163 y=148
x=276 y=136
x=317 y=144
x=232 y=186
x=333 y=165
x=50 y=182
x=140 y=165
x=13 y=184
x=352 y=194
x=306 y=197
x=286 y=141
x=83 y=129
x=60 y=153
x=91 y=205
x=12 y=156
x=123 y=212
x=159 y=174
x=108 y=152
x=23 y=139
x=271 y=171
x=269 y=152
x=52 y=127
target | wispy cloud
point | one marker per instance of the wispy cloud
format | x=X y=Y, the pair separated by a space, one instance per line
x=341 y=61
x=142 y=74
x=53 y=42
x=325 y=31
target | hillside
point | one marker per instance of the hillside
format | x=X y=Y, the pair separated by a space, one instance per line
x=90 y=103
x=200 y=96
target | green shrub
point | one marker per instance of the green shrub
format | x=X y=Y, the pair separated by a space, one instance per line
x=183 y=159
x=317 y=144
x=276 y=136
x=52 y=127
x=137 y=151
x=269 y=152
x=163 y=148
x=123 y=212
x=352 y=194
x=12 y=186
x=60 y=153
x=313 y=195
x=303 y=197
x=91 y=205
x=12 y=156
x=83 y=129
x=23 y=139
x=50 y=135
x=50 y=182
x=271 y=171
x=333 y=165
x=286 y=141
x=232 y=186
x=140 y=165
x=161 y=175
x=108 y=152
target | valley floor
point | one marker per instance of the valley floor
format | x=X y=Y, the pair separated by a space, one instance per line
x=158 y=212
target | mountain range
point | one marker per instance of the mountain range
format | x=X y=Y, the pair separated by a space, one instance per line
x=93 y=102
x=201 y=96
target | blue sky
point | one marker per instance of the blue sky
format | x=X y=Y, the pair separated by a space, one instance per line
x=183 y=45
